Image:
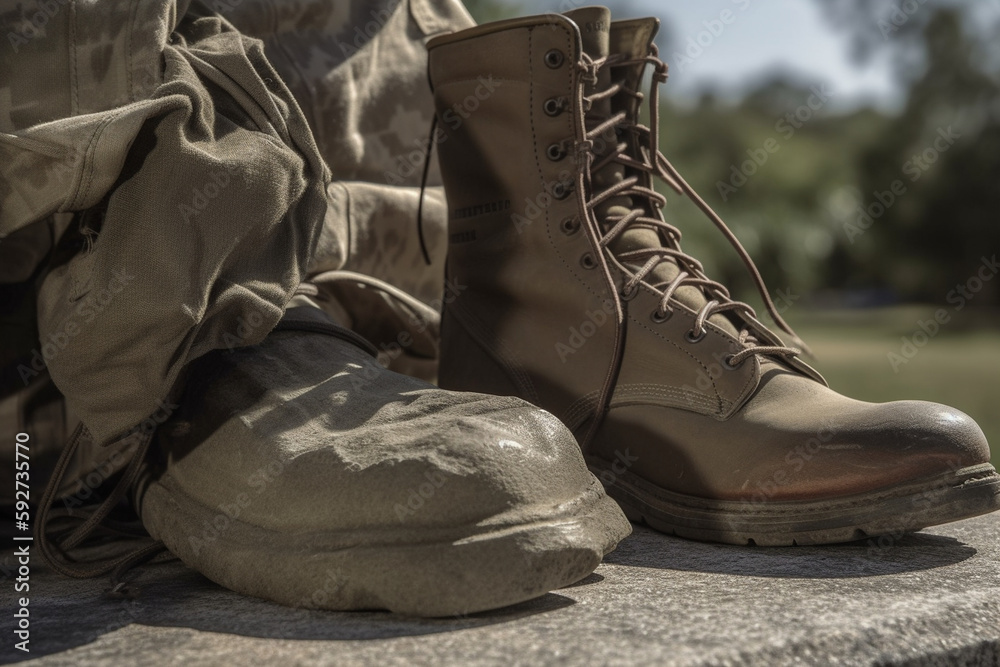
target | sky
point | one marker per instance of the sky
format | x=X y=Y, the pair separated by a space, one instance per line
x=764 y=36
x=761 y=36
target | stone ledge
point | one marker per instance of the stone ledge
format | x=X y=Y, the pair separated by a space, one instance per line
x=927 y=599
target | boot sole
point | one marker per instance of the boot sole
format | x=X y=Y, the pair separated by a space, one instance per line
x=428 y=572
x=906 y=508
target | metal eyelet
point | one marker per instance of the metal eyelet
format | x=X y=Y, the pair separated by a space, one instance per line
x=555 y=152
x=693 y=337
x=554 y=58
x=660 y=317
x=554 y=106
x=569 y=226
x=588 y=261
x=628 y=295
x=560 y=190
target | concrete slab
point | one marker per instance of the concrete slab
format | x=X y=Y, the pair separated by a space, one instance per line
x=927 y=599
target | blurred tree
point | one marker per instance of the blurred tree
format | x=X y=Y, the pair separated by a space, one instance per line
x=776 y=202
x=943 y=150
x=486 y=11
x=804 y=214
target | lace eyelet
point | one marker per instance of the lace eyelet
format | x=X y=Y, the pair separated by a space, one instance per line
x=588 y=262
x=554 y=58
x=560 y=190
x=628 y=295
x=555 y=152
x=659 y=317
x=554 y=106
x=693 y=337
x=729 y=361
x=569 y=226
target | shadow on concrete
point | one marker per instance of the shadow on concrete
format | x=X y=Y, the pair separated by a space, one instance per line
x=907 y=553
x=594 y=578
x=67 y=613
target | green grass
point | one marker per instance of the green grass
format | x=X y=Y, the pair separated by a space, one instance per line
x=959 y=366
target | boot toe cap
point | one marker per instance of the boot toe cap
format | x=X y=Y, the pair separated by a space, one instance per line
x=422 y=458
x=482 y=459
x=879 y=446
x=929 y=434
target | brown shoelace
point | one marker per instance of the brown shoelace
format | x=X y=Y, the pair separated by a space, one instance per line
x=603 y=232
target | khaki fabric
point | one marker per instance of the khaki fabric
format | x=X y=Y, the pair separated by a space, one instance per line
x=359 y=72
x=217 y=172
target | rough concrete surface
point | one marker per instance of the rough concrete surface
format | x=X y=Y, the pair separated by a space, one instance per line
x=932 y=598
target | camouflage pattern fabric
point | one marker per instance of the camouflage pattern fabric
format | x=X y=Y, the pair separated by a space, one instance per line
x=201 y=175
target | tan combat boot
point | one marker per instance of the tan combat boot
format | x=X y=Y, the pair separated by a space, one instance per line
x=303 y=472
x=577 y=296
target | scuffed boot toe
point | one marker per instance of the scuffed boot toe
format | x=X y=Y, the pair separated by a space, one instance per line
x=302 y=472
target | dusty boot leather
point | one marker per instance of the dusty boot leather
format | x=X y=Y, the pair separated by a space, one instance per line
x=577 y=297
x=301 y=471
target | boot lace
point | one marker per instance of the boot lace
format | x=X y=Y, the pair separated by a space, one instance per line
x=57 y=532
x=603 y=233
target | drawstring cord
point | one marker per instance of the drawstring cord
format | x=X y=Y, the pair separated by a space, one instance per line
x=56 y=553
x=423 y=187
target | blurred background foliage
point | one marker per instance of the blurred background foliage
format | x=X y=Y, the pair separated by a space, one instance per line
x=858 y=290
x=791 y=213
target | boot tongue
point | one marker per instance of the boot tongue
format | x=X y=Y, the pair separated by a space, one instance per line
x=632 y=38
x=595 y=34
x=595 y=37
x=595 y=28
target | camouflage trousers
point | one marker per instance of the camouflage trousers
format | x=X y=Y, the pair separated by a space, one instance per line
x=172 y=173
